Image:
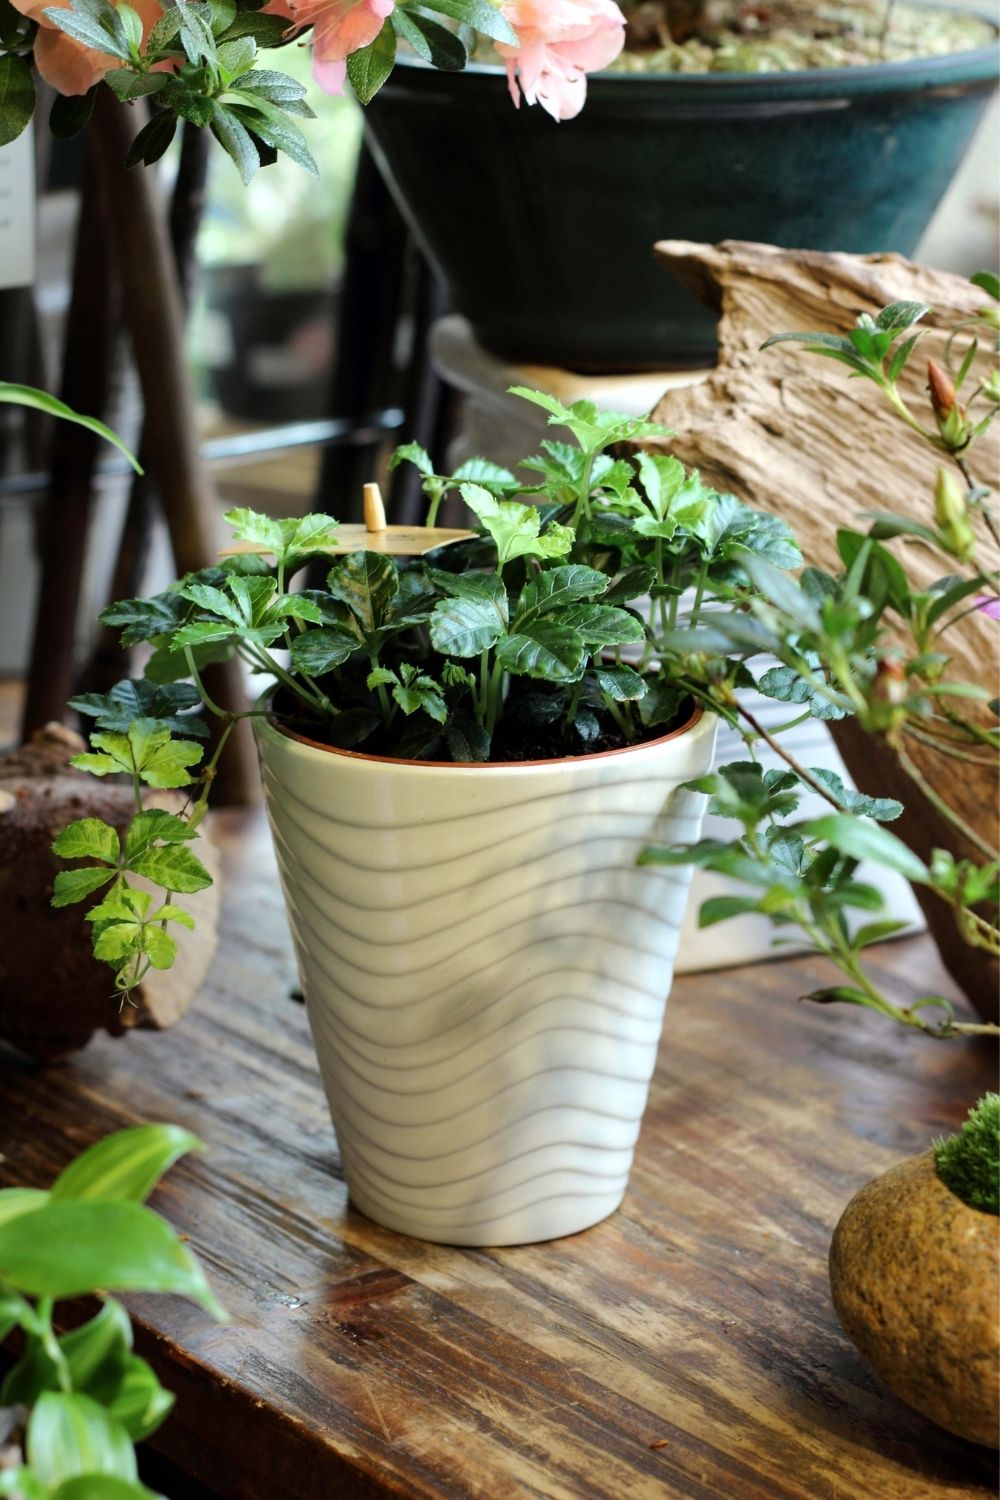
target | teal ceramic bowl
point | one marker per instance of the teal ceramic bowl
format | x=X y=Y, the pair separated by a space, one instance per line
x=543 y=231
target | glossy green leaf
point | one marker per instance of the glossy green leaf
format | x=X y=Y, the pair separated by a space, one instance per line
x=369 y=67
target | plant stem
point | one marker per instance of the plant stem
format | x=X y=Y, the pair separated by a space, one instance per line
x=208 y=701
x=806 y=776
x=51 y=1344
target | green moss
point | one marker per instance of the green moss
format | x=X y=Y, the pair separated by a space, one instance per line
x=969 y=1162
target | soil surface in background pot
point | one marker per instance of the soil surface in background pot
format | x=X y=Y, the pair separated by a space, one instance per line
x=781 y=36
x=514 y=738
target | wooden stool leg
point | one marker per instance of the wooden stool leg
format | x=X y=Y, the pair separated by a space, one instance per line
x=154 y=314
x=88 y=356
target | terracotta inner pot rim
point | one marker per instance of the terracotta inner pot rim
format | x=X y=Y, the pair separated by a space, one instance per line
x=553 y=762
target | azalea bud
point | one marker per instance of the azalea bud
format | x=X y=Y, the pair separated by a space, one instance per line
x=886 y=699
x=949 y=415
x=951 y=512
x=890 y=683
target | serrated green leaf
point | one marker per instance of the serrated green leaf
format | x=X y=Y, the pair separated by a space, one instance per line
x=315 y=652
x=602 y=624
x=554 y=588
x=88 y=838
x=367 y=583
x=73 y=885
x=621 y=684
x=172 y=866
x=465 y=627
x=544 y=649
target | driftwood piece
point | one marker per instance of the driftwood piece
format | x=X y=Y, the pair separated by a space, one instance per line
x=795 y=434
x=53 y=993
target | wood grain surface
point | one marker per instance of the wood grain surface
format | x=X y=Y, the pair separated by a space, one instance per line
x=685 y=1348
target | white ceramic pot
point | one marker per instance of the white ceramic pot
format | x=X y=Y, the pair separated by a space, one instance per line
x=485 y=968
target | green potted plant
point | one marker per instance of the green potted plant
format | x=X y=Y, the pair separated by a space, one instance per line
x=915 y=1279
x=76 y=1401
x=464 y=753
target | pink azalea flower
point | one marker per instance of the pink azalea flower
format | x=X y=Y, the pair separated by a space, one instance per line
x=988 y=605
x=561 y=42
x=340 y=27
x=67 y=65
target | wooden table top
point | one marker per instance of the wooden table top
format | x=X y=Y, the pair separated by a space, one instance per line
x=686 y=1347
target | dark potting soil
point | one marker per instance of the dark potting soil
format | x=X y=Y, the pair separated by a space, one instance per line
x=513 y=740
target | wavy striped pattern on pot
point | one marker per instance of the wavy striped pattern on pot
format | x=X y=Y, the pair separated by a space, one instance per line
x=485 y=970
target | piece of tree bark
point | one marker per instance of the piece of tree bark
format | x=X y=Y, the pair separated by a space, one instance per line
x=792 y=433
x=53 y=993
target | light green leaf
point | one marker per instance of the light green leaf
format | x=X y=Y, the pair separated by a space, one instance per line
x=153 y=826
x=173 y=866
x=88 y=838
x=26 y=395
x=17 y=1201
x=73 y=885
x=860 y=839
x=100 y=1487
x=125 y=1166
x=76 y=1246
x=134 y=1397
x=70 y=1435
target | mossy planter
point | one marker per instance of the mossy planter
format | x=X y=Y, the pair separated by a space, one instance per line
x=485 y=969
x=916 y=1284
x=543 y=231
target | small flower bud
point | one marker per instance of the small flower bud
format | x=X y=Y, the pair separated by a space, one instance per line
x=886 y=701
x=949 y=415
x=942 y=389
x=951 y=512
x=990 y=387
x=890 y=683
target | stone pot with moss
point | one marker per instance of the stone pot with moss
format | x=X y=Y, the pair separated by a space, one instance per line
x=915 y=1277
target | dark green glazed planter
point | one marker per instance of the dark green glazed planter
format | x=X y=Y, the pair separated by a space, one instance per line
x=543 y=232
